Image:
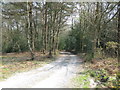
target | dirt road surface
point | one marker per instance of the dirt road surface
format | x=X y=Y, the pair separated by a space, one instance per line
x=54 y=75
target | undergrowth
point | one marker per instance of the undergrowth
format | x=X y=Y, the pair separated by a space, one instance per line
x=105 y=72
x=82 y=81
x=103 y=69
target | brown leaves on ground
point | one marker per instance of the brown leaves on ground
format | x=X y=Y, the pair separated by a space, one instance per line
x=24 y=54
x=14 y=63
x=15 y=67
x=110 y=64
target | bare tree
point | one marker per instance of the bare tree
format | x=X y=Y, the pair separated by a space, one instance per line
x=30 y=30
x=119 y=32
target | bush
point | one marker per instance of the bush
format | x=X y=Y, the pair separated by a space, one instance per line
x=14 y=43
x=111 y=48
x=100 y=75
x=88 y=57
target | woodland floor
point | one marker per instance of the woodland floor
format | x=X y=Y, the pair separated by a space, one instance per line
x=56 y=74
x=13 y=63
x=63 y=71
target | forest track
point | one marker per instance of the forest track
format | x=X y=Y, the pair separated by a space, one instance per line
x=54 y=75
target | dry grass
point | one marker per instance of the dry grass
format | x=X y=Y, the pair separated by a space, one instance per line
x=109 y=64
x=18 y=62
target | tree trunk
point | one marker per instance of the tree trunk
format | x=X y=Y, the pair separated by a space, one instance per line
x=119 y=34
x=30 y=30
x=96 y=30
x=50 y=39
x=54 y=28
x=45 y=26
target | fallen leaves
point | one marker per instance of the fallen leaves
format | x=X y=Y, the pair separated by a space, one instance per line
x=108 y=64
x=17 y=62
x=15 y=67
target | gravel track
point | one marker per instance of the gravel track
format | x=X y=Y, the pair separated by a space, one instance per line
x=54 y=75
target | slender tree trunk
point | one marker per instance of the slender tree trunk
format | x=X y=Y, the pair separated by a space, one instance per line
x=35 y=32
x=54 y=28
x=43 y=43
x=118 y=75
x=57 y=40
x=43 y=33
x=30 y=30
x=96 y=30
x=50 y=36
x=119 y=34
x=58 y=29
x=45 y=26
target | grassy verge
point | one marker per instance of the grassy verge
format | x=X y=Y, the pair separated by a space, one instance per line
x=103 y=79
x=81 y=81
x=104 y=72
x=9 y=67
x=103 y=69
